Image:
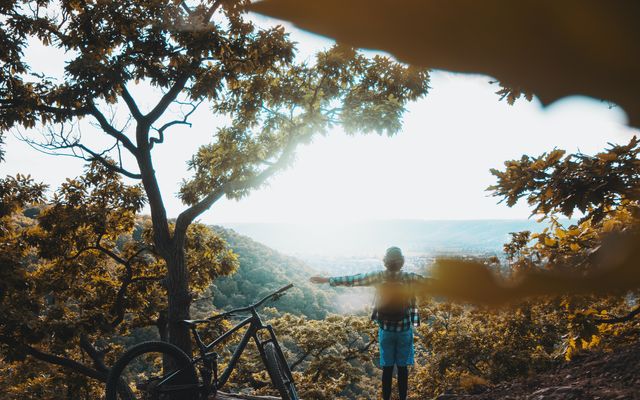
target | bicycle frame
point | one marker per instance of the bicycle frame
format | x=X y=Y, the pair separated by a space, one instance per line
x=255 y=325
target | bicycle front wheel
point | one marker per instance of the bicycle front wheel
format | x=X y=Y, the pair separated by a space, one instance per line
x=279 y=372
x=153 y=371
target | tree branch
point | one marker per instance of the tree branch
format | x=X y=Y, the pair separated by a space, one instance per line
x=63 y=142
x=131 y=104
x=167 y=99
x=94 y=354
x=186 y=8
x=147 y=279
x=118 y=306
x=110 y=130
x=109 y=165
x=207 y=16
x=361 y=350
x=114 y=256
x=62 y=111
x=65 y=362
x=300 y=359
x=190 y=214
x=183 y=121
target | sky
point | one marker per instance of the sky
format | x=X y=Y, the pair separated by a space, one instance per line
x=437 y=167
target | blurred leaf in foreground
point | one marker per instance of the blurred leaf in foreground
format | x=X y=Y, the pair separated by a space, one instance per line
x=551 y=48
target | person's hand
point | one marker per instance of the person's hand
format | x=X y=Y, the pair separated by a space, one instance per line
x=319 y=279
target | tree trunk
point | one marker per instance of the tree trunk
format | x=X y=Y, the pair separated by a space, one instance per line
x=179 y=299
x=162 y=324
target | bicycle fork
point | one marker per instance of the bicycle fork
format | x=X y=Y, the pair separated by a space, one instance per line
x=272 y=339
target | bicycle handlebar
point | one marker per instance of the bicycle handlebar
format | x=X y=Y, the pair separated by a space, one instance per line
x=275 y=295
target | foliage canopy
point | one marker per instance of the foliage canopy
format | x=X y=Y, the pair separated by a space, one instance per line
x=186 y=54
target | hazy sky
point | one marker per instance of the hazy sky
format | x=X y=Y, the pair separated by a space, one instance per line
x=436 y=168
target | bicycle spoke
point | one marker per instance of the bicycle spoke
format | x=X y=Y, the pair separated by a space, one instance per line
x=155 y=376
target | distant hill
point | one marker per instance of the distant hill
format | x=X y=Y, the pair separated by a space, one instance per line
x=263 y=270
x=372 y=238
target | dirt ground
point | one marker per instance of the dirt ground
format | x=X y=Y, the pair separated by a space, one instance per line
x=589 y=376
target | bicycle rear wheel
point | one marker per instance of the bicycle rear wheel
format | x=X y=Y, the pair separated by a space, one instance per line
x=279 y=372
x=153 y=371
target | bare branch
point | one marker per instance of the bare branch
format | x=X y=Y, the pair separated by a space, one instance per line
x=107 y=163
x=110 y=130
x=183 y=121
x=63 y=141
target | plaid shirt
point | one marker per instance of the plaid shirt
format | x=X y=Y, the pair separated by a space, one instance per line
x=372 y=278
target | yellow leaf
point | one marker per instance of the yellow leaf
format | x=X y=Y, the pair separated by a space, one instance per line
x=549 y=241
x=574 y=246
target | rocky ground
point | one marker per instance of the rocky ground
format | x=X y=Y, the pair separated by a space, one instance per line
x=589 y=376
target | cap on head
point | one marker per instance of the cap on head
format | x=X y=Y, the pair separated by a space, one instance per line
x=393 y=259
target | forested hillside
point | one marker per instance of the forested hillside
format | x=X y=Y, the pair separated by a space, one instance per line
x=263 y=270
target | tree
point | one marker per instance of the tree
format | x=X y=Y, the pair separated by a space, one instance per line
x=603 y=188
x=193 y=52
x=79 y=271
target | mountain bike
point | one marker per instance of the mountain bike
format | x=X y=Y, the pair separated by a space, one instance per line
x=162 y=371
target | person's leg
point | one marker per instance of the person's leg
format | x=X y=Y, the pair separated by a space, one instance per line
x=387 y=376
x=387 y=344
x=403 y=382
x=405 y=356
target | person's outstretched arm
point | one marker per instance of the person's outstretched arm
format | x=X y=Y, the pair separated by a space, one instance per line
x=367 y=279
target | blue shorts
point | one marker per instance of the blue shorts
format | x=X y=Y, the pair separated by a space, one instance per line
x=396 y=348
